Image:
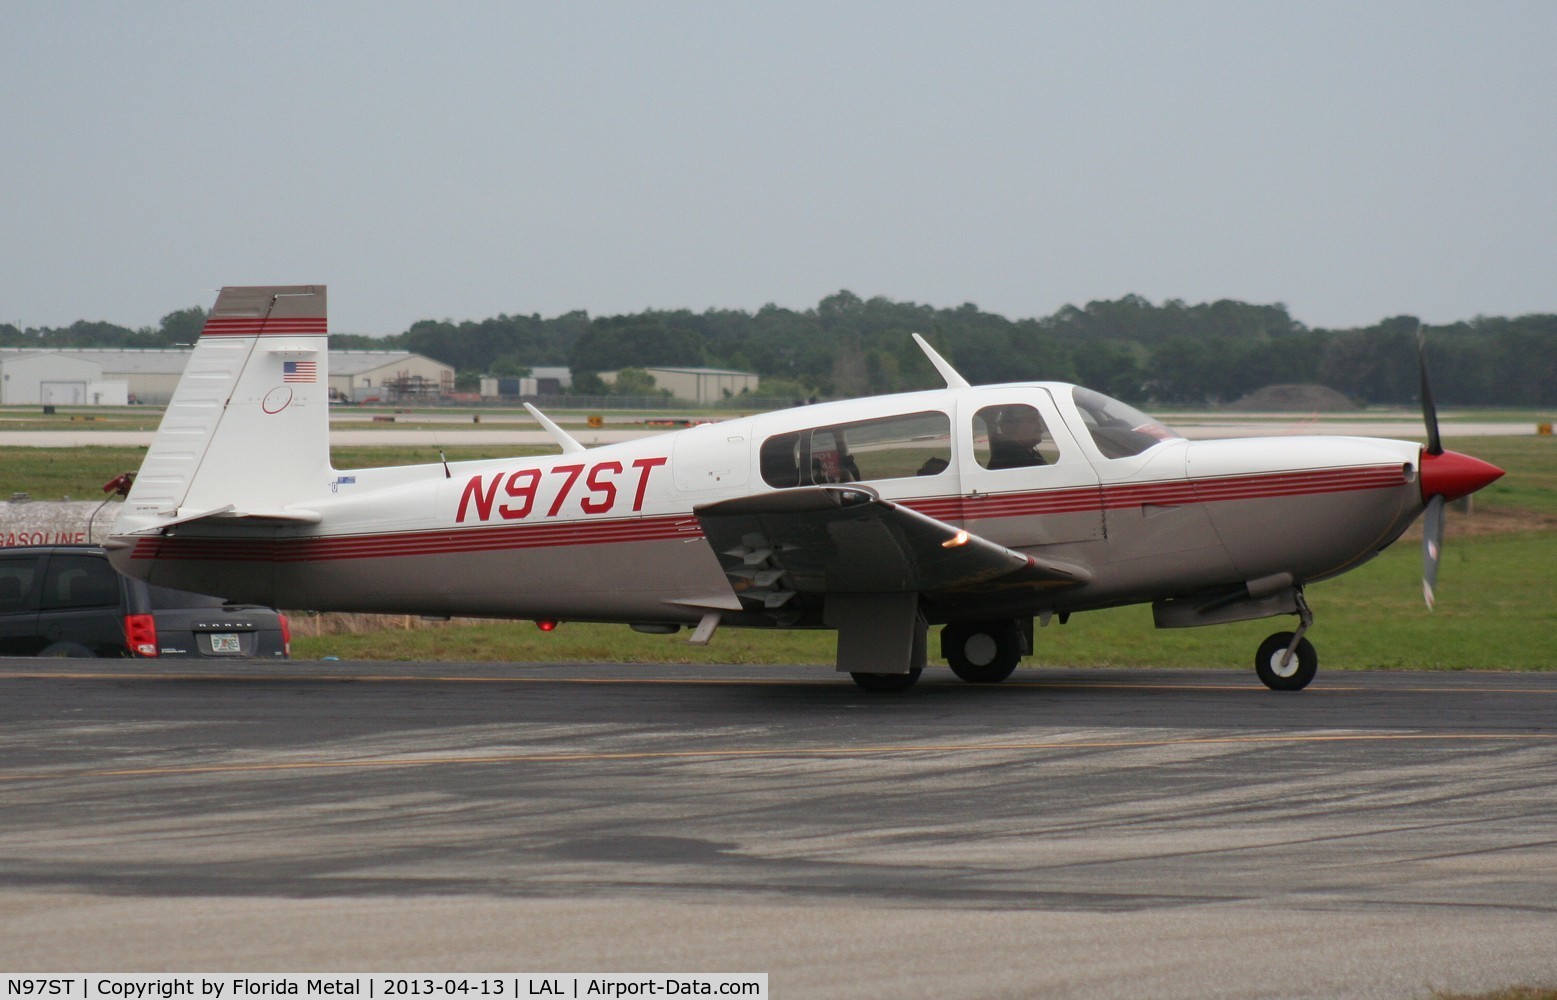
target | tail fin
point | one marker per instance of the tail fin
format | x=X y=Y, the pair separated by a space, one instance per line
x=247 y=432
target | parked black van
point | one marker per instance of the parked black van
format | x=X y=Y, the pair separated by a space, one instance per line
x=67 y=600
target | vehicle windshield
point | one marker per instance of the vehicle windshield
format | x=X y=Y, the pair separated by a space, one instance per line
x=1118 y=430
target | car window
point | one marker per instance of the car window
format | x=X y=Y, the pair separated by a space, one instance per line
x=79 y=581
x=17 y=577
x=168 y=599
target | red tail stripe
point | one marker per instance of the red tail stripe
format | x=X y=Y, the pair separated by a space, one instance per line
x=250 y=326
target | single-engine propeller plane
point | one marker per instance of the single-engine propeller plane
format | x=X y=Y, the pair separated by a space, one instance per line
x=980 y=508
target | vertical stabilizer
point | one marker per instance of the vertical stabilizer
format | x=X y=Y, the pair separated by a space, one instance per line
x=248 y=427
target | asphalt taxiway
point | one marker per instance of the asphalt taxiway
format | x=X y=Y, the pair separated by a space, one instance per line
x=1069 y=833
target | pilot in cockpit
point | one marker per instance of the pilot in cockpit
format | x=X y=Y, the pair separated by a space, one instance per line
x=1014 y=438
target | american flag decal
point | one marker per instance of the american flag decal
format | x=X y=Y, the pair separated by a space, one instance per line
x=299 y=371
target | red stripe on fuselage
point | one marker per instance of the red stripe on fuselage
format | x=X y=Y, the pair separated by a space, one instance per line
x=493 y=538
x=415 y=543
x=1082 y=499
x=1289 y=484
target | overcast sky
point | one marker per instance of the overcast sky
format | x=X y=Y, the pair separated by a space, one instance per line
x=1353 y=160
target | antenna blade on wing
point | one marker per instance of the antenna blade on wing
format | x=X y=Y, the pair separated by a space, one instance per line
x=564 y=440
x=953 y=380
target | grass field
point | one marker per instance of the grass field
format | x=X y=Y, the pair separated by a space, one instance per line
x=79 y=473
x=1495 y=608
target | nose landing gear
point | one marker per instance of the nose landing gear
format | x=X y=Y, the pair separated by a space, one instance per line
x=1286 y=661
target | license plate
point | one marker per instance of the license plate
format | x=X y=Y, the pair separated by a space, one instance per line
x=225 y=644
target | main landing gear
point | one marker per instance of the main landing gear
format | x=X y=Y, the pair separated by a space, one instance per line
x=979 y=652
x=983 y=652
x=1286 y=661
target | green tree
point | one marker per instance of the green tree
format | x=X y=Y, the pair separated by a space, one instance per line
x=183 y=326
x=636 y=382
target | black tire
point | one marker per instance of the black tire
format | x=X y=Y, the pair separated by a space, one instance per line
x=1297 y=674
x=70 y=650
x=982 y=652
x=887 y=683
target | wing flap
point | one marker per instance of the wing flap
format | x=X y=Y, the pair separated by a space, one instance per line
x=841 y=540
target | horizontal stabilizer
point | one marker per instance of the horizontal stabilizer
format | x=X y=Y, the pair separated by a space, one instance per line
x=231 y=515
x=846 y=539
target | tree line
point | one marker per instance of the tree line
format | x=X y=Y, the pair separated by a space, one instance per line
x=1173 y=352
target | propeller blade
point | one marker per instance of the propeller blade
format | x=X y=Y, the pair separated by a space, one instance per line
x=1429 y=410
x=1432 y=547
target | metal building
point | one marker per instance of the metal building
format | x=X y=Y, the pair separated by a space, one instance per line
x=56 y=378
x=78 y=376
x=704 y=386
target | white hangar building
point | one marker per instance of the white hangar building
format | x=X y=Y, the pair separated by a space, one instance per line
x=28 y=376
x=704 y=386
x=72 y=376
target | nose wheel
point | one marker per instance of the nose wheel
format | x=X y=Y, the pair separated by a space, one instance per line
x=1286 y=661
x=1283 y=666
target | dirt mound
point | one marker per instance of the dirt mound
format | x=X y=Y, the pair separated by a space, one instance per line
x=1294 y=399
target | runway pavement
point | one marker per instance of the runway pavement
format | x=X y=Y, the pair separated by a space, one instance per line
x=1067 y=834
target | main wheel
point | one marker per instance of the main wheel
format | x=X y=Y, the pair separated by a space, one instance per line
x=887 y=683
x=982 y=652
x=1296 y=674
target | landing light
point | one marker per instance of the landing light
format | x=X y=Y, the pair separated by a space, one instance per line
x=959 y=539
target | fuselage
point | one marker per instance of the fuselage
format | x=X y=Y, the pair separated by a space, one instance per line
x=610 y=534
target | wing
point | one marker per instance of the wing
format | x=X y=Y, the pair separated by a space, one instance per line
x=847 y=540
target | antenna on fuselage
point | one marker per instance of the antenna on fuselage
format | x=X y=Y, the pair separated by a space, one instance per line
x=953 y=380
x=564 y=440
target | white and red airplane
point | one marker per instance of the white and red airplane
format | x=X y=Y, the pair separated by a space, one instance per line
x=981 y=508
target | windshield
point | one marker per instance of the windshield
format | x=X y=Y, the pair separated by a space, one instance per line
x=1119 y=431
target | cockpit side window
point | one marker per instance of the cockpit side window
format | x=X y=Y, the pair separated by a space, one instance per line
x=913 y=444
x=1118 y=430
x=1012 y=436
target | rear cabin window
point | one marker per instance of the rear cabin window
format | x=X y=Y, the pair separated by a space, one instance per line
x=915 y=444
